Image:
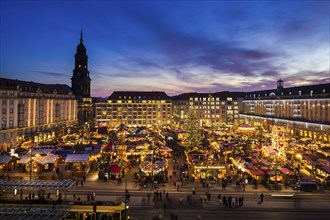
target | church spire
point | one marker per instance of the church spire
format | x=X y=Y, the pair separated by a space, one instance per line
x=81 y=36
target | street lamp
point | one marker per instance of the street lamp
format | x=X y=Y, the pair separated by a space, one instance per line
x=31 y=162
x=152 y=168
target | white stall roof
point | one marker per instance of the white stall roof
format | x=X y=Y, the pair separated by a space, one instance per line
x=50 y=158
x=71 y=158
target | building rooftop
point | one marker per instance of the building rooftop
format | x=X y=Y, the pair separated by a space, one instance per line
x=221 y=95
x=138 y=95
x=321 y=90
x=34 y=87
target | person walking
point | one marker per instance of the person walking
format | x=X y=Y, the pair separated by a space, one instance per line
x=261 y=197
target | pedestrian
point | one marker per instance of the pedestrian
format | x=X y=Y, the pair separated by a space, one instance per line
x=93 y=196
x=223 y=186
x=219 y=197
x=229 y=201
x=261 y=197
x=148 y=197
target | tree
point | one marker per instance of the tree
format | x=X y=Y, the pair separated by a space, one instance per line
x=193 y=136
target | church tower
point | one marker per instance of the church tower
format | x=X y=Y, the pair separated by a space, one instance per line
x=80 y=80
x=81 y=83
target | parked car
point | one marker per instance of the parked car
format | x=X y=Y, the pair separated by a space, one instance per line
x=305 y=186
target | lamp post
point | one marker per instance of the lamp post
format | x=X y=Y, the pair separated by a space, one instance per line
x=126 y=195
x=31 y=162
x=152 y=168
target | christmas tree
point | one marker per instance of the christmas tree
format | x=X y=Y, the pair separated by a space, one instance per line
x=193 y=136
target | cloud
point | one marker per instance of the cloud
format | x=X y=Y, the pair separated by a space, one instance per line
x=307 y=77
x=53 y=74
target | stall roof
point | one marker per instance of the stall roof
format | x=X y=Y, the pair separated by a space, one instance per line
x=71 y=158
x=37 y=184
x=265 y=162
x=326 y=169
x=309 y=160
x=269 y=150
x=166 y=149
x=114 y=169
x=4 y=159
x=50 y=158
x=324 y=161
x=24 y=159
x=18 y=211
x=257 y=172
x=286 y=171
x=42 y=151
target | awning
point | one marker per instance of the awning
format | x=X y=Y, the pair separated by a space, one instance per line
x=326 y=169
x=71 y=158
x=269 y=149
x=309 y=160
x=270 y=173
x=166 y=149
x=114 y=169
x=265 y=162
x=257 y=172
x=324 y=161
x=286 y=171
x=161 y=163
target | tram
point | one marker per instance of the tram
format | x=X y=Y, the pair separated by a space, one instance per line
x=97 y=211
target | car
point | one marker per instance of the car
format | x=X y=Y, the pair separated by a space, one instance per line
x=305 y=186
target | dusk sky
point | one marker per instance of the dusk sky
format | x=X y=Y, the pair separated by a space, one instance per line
x=171 y=46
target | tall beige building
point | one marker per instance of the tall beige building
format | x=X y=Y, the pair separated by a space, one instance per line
x=34 y=110
x=134 y=109
x=303 y=110
x=211 y=108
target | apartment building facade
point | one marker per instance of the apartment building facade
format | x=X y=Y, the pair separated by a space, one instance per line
x=34 y=110
x=212 y=109
x=304 y=110
x=134 y=108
